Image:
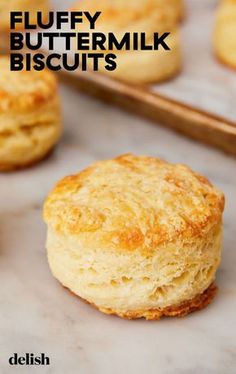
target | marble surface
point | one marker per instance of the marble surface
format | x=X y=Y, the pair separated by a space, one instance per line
x=38 y=315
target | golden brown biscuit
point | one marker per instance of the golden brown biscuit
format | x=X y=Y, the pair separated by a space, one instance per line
x=225 y=31
x=136 y=236
x=147 y=16
x=30 y=121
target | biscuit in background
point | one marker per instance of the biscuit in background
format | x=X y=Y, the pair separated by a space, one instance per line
x=6 y=6
x=147 y=16
x=174 y=7
x=30 y=119
x=136 y=237
x=225 y=33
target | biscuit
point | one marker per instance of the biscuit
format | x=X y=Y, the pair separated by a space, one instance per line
x=225 y=31
x=30 y=119
x=6 y=6
x=136 y=237
x=149 y=16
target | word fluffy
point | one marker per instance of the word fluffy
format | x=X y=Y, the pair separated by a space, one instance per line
x=55 y=19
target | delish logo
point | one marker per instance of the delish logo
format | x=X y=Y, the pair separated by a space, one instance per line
x=29 y=359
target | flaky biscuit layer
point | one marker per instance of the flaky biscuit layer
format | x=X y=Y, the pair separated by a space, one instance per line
x=199 y=302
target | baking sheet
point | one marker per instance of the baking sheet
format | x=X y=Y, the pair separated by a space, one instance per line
x=204 y=82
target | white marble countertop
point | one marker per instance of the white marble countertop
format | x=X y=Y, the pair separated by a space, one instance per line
x=38 y=315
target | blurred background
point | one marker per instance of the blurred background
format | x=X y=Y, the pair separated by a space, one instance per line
x=203 y=81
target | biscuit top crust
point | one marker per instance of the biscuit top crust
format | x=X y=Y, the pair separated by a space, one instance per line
x=132 y=203
x=116 y=14
x=24 y=90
